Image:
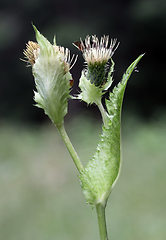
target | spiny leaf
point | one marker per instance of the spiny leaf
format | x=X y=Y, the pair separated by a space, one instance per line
x=101 y=172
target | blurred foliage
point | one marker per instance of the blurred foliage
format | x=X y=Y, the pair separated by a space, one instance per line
x=41 y=197
x=139 y=25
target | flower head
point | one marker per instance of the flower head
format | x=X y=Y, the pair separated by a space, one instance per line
x=95 y=51
x=97 y=54
x=50 y=67
x=32 y=52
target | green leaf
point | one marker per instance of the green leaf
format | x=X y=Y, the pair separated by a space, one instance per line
x=101 y=173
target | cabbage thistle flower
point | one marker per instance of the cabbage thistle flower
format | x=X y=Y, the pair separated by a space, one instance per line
x=97 y=55
x=50 y=67
x=97 y=75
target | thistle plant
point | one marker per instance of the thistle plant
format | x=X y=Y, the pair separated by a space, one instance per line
x=51 y=66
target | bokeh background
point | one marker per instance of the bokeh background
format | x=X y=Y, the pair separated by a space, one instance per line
x=40 y=196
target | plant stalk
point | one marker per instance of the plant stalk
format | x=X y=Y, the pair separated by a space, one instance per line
x=70 y=147
x=100 y=209
x=103 y=114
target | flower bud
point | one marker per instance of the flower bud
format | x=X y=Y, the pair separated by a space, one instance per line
x=50 y=68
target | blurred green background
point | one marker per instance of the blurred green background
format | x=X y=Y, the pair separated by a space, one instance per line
x=41 y=198
x=40 y=194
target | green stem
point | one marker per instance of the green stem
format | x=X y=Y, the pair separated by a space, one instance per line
x=100 y=209
x=103 y=114
x=70 y=147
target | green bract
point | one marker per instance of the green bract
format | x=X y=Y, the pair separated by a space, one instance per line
x=96 y=73
x=90 y=93
x=101 y=172
x=52 y=79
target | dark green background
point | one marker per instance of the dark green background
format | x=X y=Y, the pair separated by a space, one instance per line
x=139 y=25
